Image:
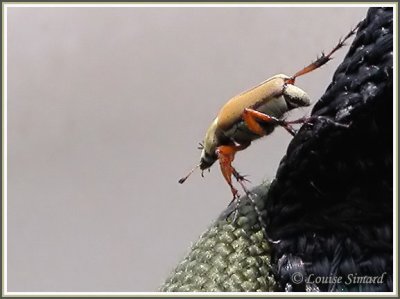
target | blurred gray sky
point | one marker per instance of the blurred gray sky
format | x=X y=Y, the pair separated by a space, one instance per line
x=106 y=107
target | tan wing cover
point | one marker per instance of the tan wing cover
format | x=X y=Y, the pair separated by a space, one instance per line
x=232 y=111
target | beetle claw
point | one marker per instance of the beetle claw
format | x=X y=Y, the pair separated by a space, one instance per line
x=240 y=177
x=243 y=178
x=235 y=211
x=310 y=121
x=235 y=215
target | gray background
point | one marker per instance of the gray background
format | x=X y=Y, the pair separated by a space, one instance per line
x=105 y=110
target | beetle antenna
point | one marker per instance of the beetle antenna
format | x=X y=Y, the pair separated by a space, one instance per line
x=321 y=60
x=182 y=180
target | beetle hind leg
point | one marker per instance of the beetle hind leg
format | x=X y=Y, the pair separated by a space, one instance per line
x=324 y=58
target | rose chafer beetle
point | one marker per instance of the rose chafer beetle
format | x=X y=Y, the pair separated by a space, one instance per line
x=251 y=115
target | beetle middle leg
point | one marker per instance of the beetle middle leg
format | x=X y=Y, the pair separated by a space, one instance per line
x=251 y=117
x=310 y=120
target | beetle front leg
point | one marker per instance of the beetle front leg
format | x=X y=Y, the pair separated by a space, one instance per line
x=226 y=155
x=251 y=117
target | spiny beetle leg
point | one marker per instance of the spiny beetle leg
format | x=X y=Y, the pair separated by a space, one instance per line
x=310 y=120
x=251 y=117
x=241 y=181
x=235 y=199
x=226 y=155
x=251 y=196
x=240 y=177
x=320 y=61
x=331 y=121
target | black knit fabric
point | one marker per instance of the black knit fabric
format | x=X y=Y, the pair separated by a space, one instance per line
x=330 y=207
x=328 y=213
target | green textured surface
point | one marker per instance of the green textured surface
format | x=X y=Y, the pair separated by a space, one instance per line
x=228 y=257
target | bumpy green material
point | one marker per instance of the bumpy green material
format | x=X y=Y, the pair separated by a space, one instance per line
x=228 y=257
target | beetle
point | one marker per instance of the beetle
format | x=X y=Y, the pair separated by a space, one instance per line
x=251 y=115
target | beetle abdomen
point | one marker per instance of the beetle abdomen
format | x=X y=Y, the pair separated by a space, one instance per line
x=276 y=107
x=295 y=97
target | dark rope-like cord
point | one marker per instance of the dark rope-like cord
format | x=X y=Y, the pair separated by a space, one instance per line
x=334 y=186
x=330 y=205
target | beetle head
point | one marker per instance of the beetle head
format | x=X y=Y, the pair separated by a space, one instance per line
x=206 y=160
x=208 y=147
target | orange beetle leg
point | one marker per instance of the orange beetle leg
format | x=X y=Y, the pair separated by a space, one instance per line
x=322 y=59
x=251 y=117
x=226 y=155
